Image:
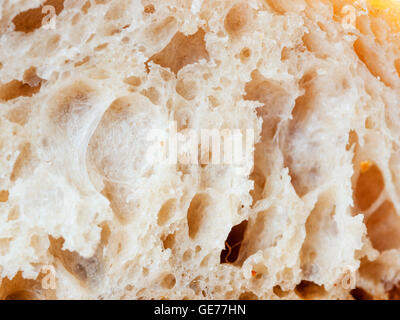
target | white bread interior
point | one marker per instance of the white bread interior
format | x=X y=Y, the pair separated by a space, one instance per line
x=77 y=192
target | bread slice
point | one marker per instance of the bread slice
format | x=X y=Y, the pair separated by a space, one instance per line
x=91 y=209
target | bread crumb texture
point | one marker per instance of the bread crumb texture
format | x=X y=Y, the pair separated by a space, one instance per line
x=313 y=213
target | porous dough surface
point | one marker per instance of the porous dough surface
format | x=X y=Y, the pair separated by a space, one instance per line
x=312 y=213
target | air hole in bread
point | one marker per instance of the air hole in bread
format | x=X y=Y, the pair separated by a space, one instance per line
x=32 y=19
x=160 y=31
x=116 y=11
x=315 y=43
x=22 y=295
x=369 y=186
x=13 y=214
x=353 y=140
x=140 y=294
x=169 y=241
x=19 y=288
x=119 y=105
x=153 y=95
x=237 y=20
x=384 y=227
x=166 y=212
x=129 y=287
x=82 y=62
x=133 y=81
x=322 y=26
x=233 y=243
x=196 y=213
x=101 y=47
x=53 y=43
x=245 y=54
x=370 y=123
x=279 y=292
x=71 y=100
x=360 y=294
x=5 y=245
x=85 y=8
x=195 y=285
x=276 y=6
x=22 y=165
x=204 y=262
x=258 y=177
x=149 y=9
x=308 y=290
x=76 y=19
x=181 y=51
x=168 y=282
x=119 y=207
x=319 y=222
x=213 y=101
x=69 y=259
x=4 y=195
x=393 y=294
x=187 y=88
x=205 y=157
x=105 y=234
x=90 y=38
x=31 y=78
x=396 y=65
x=372 y=61
x=274 y=99
x=15 y=89
x=305 y=176
x=187 y=255
x=269 y=93
x=248 y=295
x=83 y=269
